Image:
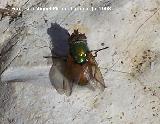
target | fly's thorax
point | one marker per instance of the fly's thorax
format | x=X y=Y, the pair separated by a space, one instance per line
x=79 y=51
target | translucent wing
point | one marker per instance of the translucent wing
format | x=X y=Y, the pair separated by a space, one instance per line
x=58 y=80
x=97 y=78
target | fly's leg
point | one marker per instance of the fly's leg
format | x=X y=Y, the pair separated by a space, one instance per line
x=96 y=51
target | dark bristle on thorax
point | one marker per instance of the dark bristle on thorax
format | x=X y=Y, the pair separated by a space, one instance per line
x=77 y=36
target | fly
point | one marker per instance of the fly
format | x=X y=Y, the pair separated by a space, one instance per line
x=78 y=67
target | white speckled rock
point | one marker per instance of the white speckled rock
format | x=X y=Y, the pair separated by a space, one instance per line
x=130 y=67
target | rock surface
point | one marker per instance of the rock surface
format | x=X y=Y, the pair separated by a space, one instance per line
x=130 y=67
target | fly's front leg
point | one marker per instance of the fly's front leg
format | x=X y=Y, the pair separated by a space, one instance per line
x=96 y=51
x=55 y=57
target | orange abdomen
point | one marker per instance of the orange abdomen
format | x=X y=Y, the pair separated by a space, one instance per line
x=76 y=72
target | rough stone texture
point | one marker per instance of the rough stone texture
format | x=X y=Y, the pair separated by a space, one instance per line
x=131 y=65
